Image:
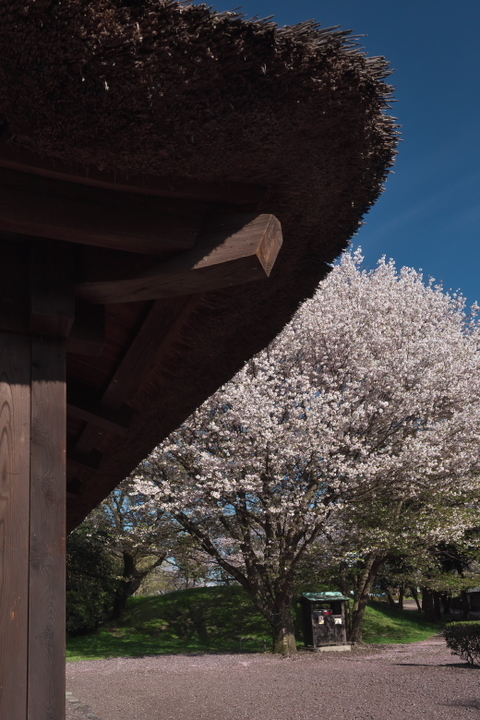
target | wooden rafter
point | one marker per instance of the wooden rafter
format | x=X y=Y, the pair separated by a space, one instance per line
x=232 y=193
x=93 y=216
x=159 y=331
x=87 y=336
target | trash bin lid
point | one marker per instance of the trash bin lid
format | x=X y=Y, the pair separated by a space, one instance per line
x=324 y=596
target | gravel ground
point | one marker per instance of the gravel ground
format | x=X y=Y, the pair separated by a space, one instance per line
x=393 y=682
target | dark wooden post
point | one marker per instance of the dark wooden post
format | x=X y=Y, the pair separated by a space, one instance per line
x=46 y=639
x=32 y=527
x=15 y=401
x=36 y=314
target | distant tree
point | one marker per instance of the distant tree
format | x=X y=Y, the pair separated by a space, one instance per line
x=400 y=533
x=185 y=567
x=139 y=540
x=91 y=580
x=367 y=403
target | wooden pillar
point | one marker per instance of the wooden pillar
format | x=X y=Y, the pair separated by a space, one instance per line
x=32 y=527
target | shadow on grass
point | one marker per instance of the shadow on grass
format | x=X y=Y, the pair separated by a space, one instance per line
x=219 y=620
x=214 y=620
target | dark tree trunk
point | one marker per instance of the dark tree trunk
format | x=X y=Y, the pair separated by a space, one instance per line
x=284 y=631
x=129 y=583
x=390 y=599
x=401 y=595
x=427 y=604
x=445 y=598
x=343 y=582
x=437 y=606
x=362 y=595
x=431 y=605
x=465 y=604
x=415 y=597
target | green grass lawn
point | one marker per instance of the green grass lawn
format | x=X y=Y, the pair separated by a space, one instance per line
x=218 y=619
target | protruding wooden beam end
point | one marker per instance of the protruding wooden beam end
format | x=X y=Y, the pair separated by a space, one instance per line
x=230 y=250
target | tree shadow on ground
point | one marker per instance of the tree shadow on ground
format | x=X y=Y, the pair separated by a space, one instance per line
x=459 y=666
x=474 y=704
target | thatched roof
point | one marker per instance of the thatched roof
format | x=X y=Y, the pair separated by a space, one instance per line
x=226 y=112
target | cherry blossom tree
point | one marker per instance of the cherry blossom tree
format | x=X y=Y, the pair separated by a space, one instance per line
x=368 y=401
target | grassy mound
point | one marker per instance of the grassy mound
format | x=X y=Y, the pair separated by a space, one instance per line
x=386 y=624
x=218 y=619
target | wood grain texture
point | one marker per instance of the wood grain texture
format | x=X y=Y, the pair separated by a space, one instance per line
x=159 y=330
x=230 y=251
x=14 y=523
x=46 y=662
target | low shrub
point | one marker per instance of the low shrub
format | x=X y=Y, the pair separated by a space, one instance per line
x=463 y=638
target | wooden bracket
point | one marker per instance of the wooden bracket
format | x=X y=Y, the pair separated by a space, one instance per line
x=231 y=250
x=83 y=405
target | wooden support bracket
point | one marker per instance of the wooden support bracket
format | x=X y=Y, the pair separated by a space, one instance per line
x=231 y=250
x=82 y=405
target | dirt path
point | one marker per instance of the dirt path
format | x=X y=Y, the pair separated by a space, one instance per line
x=396 y=682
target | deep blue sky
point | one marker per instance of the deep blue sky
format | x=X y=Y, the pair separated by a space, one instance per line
x=429 y=214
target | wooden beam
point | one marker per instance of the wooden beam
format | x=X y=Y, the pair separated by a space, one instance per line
x=161 y=329
x=83 y=405
x=232 y=193
x=73 y=486
x=230 y=251
x=32 y=205
x=78 y=460
x=98 y=418
x=14 y=287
